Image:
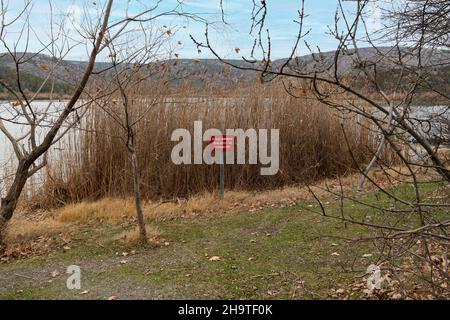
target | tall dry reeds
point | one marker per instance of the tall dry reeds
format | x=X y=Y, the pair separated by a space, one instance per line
x=94 y=162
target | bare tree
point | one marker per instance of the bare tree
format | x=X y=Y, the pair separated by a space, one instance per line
x=423 y=21
x=28 y=158
x=377 y=76
x=130 y=78
x=328 y=70
x=95 y=31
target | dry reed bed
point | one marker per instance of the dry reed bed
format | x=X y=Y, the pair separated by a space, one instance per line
x=94 y=163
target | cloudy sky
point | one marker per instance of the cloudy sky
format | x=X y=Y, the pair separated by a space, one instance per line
x=225 y=38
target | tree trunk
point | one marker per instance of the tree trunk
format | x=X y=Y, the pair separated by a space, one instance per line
x=137 y=193
x=3 y=224
x=9 y=203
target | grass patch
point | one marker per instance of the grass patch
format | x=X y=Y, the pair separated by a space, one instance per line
x=285 y=252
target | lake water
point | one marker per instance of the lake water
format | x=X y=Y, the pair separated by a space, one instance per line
x=15 y=122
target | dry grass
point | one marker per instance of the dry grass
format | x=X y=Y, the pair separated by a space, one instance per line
x=118 y=210
x=22 y=229
x=132 y=236
x=104 y=210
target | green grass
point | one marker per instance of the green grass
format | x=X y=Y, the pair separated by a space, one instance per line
x=276 y=253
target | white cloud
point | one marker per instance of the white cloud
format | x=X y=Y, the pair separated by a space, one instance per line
x=75 y=15
x=373 y=17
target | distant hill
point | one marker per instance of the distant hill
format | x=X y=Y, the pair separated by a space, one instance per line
x=383 y=56
x=67 y=72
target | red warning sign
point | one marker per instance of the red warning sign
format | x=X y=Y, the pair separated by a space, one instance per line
x=223 y=142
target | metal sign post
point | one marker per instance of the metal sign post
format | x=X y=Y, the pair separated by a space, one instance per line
x=222 y=174
x=222 y=144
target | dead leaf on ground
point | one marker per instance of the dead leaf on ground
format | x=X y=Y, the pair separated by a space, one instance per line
x=214 y=258
x=54 y=274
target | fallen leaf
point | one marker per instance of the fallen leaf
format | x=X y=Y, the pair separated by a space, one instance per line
x=396 y=296
x=113 y=298
x=54 y=274
x=214 y=258
x=335 y=254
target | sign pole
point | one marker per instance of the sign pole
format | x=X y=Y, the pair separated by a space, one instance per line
x=222 y=144
x=222 y=174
